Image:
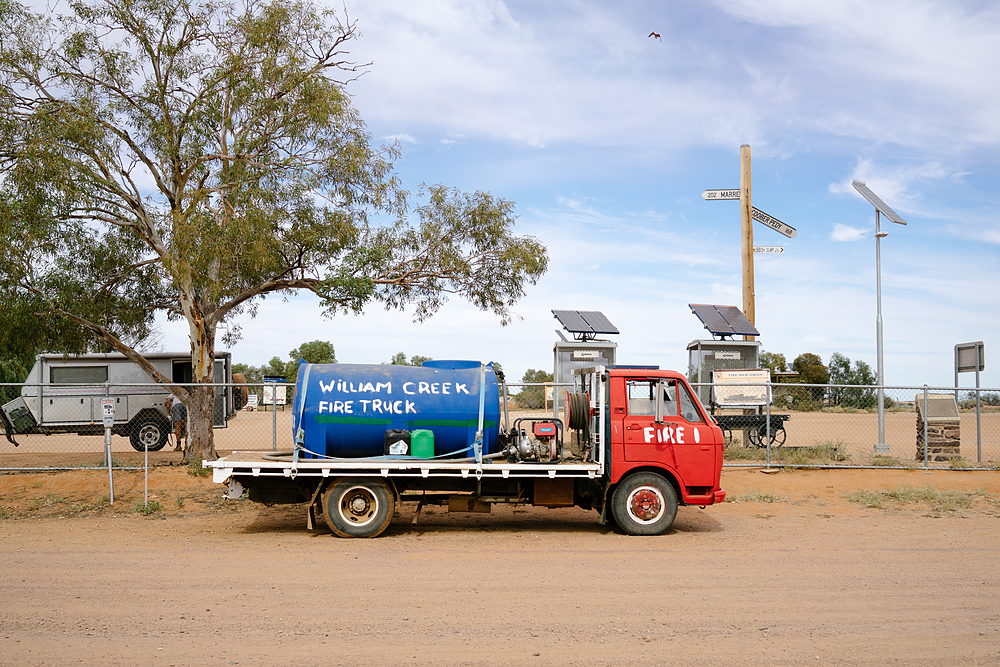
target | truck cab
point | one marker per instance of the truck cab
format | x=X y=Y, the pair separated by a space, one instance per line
x=655 y=422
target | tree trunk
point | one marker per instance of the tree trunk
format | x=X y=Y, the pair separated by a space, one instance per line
x=201 y=401
x=201 y=413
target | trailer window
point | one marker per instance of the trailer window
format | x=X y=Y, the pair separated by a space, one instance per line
x=78 y=374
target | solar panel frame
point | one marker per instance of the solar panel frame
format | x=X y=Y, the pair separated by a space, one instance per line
x=723 y=320
x=572 y=321
x=585 y=322
x=738 y=321
x=598 y=322
x=874 y=199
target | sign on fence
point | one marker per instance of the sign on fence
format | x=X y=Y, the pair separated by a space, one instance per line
x=740 y=387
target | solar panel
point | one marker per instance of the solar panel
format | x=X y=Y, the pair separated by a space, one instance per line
x=598 y=322
x=723 y=320
x=882 y=207
x=585 y=323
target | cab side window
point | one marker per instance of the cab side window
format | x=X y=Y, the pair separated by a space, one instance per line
x=689 y=411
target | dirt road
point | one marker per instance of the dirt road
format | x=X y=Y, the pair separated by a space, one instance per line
x=792 y=573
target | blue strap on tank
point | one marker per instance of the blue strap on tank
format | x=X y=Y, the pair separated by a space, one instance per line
x=478 y=444
x=300 y=433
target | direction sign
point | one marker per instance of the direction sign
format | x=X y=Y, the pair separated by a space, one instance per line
x=769 y=249
x=773 y=223
x=711 y=195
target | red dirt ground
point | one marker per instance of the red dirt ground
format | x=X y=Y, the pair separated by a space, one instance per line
x=791 y=573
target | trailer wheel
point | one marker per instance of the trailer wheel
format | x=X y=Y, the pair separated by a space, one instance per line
x=149 y=434
x=361 y=507
x=644 y=504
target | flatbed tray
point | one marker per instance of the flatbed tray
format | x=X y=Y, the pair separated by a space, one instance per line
x=265 y=464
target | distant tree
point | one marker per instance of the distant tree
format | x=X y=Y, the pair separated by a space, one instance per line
x=773 y=362
x=811 y=370
x=314 y=352
x=842 y=372
x=533 y=397
x=274 y=368
x=251 y=374
x=399 y=359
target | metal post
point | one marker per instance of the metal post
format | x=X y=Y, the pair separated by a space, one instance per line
x=979 y=424
x=926 y=444
x=881 y=447
x=274 y=417
x=107 y=450
x=768 y=426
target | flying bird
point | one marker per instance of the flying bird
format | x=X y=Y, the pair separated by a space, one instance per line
x=656 y=35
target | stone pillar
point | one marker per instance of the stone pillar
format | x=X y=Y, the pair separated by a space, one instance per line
x=943 y=427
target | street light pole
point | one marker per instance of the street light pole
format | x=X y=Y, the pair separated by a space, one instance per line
x=880 y=207
x=880 y=447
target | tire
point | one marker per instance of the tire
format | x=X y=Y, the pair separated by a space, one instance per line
x=149 y=434
x=358 y=507
x=644 y=504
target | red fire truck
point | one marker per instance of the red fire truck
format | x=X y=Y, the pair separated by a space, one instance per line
x=635 y=443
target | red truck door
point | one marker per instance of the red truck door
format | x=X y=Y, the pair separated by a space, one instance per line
x=664 y=425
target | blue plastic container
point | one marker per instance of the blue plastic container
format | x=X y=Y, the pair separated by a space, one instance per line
x=344 y=410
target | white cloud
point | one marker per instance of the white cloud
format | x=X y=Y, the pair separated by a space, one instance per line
x=401 y=138
x=846 y=233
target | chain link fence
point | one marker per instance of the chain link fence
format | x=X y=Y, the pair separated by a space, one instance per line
x=60 y=426
x=841 y=426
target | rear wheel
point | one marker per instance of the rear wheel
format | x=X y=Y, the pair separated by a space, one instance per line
x=644 y=504
x=149 y=434
x=361 y=507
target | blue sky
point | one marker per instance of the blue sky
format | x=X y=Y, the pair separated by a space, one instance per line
x=606 y=137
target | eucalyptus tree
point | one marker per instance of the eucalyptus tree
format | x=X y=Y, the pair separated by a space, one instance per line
x=191 y=158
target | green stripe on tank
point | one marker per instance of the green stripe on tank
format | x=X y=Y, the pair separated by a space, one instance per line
x=460 y=423
x=362 y=421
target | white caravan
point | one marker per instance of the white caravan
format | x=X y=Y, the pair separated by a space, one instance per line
x=63 y=394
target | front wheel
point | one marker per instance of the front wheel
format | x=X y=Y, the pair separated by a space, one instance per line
x=644 y=504
x=361 y=507
x=149 y=434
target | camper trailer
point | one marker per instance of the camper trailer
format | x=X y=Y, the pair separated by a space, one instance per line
x=63 y=394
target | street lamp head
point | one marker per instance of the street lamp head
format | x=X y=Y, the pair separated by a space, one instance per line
x=881 y=235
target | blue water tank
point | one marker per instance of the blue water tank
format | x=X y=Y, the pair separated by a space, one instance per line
x=344 y=410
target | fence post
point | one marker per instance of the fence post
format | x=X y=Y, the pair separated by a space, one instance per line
x=926 y=444
x=767 y=428
x=107 y=448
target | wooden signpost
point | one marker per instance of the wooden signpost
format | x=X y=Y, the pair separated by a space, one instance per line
x=747 y=215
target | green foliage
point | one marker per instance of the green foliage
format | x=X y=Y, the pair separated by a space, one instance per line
x=151 y=507
x=818 y=454
x=842 y=373
x=756 y=496
x=532 y=398
x=774 y=362
x=811 y=370
x=196 y=469
x=941 y=501
x=985 y=398
x=189 y=158
x=883 y=460
x=865 y=498
x=399 y=359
